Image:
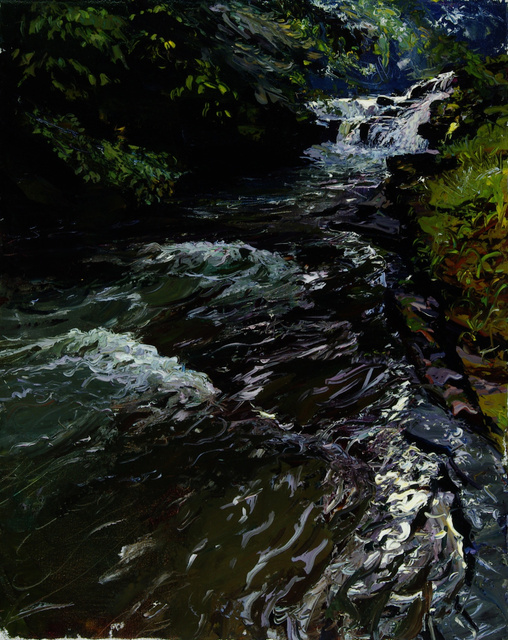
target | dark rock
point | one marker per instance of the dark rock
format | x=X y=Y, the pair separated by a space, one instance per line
x=364 y=131
x=419 y=90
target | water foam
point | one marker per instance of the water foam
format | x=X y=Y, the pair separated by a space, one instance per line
x=49 y=385
x=371 y=131
x=232 y=275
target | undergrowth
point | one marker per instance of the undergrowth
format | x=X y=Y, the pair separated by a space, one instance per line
x=461 y=213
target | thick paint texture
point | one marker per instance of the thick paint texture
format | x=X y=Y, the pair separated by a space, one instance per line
x=242 y=393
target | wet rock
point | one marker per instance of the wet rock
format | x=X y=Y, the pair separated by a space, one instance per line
x=364 y=131
x=385 y=101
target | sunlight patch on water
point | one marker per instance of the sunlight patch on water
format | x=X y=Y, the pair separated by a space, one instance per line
x=405 y=556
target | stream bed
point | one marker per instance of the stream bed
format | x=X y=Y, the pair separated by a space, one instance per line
x=211 y=427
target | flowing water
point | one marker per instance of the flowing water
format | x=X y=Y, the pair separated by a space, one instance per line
x=211 y=428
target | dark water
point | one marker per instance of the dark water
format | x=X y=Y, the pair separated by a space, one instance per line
x=210 y=429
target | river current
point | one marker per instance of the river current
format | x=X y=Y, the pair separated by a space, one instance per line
x=211 y=427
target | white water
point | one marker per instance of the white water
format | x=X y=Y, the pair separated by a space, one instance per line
x=55 y=387
x=392 y=129
x=234 y=271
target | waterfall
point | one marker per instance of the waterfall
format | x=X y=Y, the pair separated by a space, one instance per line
x=379 y=126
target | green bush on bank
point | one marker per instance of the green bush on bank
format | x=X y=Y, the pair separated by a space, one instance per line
x=461 y=214
x=463 y=210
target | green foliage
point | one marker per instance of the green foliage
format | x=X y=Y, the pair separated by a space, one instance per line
x=462 y=211
x=181 y=79
x=171 y=76
x=131 y=168
x=443 y=50
x=386 y=25
x=65 y=42
x=380 y=38
x=481 y=178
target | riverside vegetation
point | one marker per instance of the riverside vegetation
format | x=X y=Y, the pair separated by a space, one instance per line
x=458 y=206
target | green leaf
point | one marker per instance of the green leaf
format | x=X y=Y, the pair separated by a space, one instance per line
x=30 y=71
x=59 y=85
x=117 y=53
x=27 y=57
x=430 y=224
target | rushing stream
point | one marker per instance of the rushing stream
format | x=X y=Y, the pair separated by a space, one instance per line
x=211 y=429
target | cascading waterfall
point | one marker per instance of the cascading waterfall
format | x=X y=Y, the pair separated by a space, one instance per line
x=374 y=128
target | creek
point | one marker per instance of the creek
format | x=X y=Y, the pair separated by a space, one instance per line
x=211 y=427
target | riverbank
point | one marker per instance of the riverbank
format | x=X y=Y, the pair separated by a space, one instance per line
x=456 y=208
